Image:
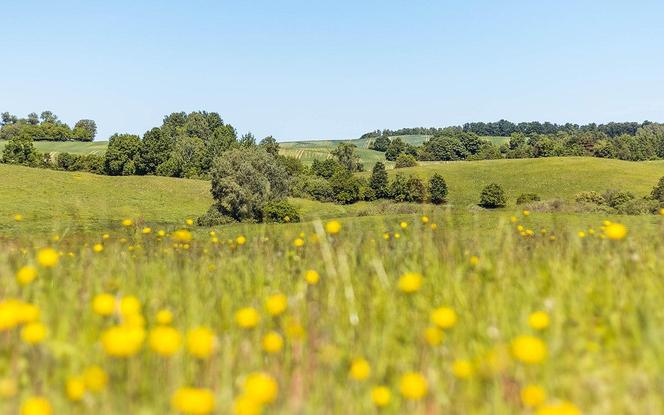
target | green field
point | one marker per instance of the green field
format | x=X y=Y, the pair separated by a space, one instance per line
x=75 y=147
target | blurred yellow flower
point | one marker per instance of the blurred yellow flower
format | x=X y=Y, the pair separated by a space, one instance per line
x=562 y=408
x=26 y=275
x=193 y=401
x=165 y=340
x=582 y=234
x=182 y=236
x=529 y=349
x=244 y=405
x=333 y=227
x=8 y=388
x=474 y=260
x=276 y=304
x=18 y=217
x=539 y=320
x=410 y=282
x=123 y=340
x=403 y=225
x=462 y=369
x=147 y=230
x=381 y=396
x=298 y=242
x=36 y=405
x=103 y=304
x=201 y=342
x=75 y=389
x=413 y=386
x=311 y=277
x=241 y=240
x=433 y=336
x=526 y=213
x=533 y=396
x=189 y=222
x=127 y=222
x=164 y=317
x=97 y=248
x=359 y=369
x=424 y=219
x=615 y=231
x=130 y=305
x=272 y=342
x=247 y=317
x=444 y=317
x=48 y=257
x=33 y=333
x=95 y=378
x=261 y=388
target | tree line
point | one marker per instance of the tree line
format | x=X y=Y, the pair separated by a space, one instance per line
x=45 y=127
x=504 y=128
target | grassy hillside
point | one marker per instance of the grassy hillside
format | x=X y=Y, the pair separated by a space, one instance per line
x=549 y=177
x=60 y=199
x=76 y=147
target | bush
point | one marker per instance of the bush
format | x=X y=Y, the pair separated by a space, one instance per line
x=67 y=161
x=213 y=217
x=590 y=197
x=615 y=198
x=280 y=211
x=492 y=196
x=437 y=189
x=658 y=191
x=122 y=154
x=20 y=150
x=398 y=189
x=527 y=198
x=638 y=207
x=405 y=160
x=312 y=187
x=345 y=187
x=324 y=168
x=379 y=181
x=416 y=190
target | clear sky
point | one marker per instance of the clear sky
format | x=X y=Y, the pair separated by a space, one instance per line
x=333 y=69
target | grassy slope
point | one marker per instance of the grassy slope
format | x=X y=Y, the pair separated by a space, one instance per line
x=52 y=199
x=76 y=147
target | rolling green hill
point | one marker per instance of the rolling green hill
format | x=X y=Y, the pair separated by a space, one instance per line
x=76 y=147
x=58 y=200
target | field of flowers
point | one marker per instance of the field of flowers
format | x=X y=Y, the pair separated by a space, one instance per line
x=408 y=316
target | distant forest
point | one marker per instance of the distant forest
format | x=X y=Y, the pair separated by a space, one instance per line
x=45 y=127
x=504 y=128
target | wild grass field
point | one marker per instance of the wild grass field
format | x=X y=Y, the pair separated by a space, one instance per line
x=74 y=147
x=113 y=302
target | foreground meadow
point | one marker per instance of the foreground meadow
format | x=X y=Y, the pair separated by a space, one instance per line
x=428 y=315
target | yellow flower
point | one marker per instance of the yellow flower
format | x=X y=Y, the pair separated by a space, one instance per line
x=474 y=260
x=434 y=226
x=410 y=282
x=424 y=219
x=615 y=231
x=272 y=342
x=95 y=378
x=533 y=396
x=193 y=401
x=661 y=211
x=381 y=396
x=97 y=248
x=403 y=225
x=48 y=257
x=526 y=212
x=276 y=304
x=529 y=349
x=130 y=305
x=127 y=222
x=165 y=341
x=413 y=386
x=247 y=317
x=105 y=236
x=164 y=317
x=433 y=335
x=147 y=230
x=189 y=222
x=161 y=233
x=103 y=304
x=582 y=234
x=8 y=388
x=26 y=275
x=244 y=405
x=201 y=342
x=462 y=369
x=444 y=317
x=241 y=240
x=75 y=389
x=18 y=217
x=311 y=277
x=397 y=235
x=538 y=320
x=33 y=333
x=513 y=219
x=298 y=242
x=182 y=236
x=333 y=227
x=123 y=340
x=36 y=405
x=261 y=388
x=562 y=408
x=359 y=369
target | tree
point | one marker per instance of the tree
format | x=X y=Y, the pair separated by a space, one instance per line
x=324 y=168
x=8 y=119
x=247 y=140
x=48 y=116
x=33 y=118
x=396 y=147
x=445 y=147
x=347 y=157
x=122 y=155
x=156 y=148
x=471 y=142
x=20 y=150
x=270 y=145
x=399 y=188
x=492 y=196
x=244 y=180
x=381 y=143
x=379 y=181
x=658 y=191
x=405 y=160
x=85 y=130
x=416 y=191
x=437 y=189
x=187 y=158
x=345 y=187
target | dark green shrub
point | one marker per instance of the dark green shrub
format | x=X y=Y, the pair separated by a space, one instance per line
x=527 y=198
x=280 y=211
x=590 y=197
x=312 y=187
x=416 y=190
x=615 y=198
x=379 y=181
x=658 y=191
x=345 y=187
x=638 y=207
x=67 y=161
x=213 y=217
x=405 y=160
x=20 y=150
x=324 y=168
x=398 y=189
x=437 y=189
x=492 y=196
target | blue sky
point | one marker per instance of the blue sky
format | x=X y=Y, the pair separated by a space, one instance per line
x=333 y=69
